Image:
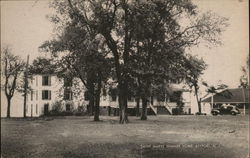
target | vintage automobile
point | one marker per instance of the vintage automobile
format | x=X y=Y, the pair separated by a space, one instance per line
x=223 y=110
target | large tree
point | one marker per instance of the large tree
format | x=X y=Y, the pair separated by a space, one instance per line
x=194 y=69
x=160 y=28
x=81 y=53
x=12 y=68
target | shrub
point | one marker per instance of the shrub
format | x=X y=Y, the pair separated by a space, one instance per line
x=57 y=109
x=80 y=111
x=175 y=111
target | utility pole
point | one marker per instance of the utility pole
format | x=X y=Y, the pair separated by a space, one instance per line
x=25 y=87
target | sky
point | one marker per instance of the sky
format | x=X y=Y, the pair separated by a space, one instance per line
x=24 y=27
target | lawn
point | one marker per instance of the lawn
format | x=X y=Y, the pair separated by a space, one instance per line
x=159 y=136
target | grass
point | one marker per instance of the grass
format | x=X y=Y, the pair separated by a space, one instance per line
x=159 y=136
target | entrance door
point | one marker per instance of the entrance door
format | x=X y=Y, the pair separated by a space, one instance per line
x=46 y=109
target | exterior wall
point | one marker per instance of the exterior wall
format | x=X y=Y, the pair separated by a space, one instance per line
x=193 y=103
x=186 y=96
x=35 y=103
x=206 y=108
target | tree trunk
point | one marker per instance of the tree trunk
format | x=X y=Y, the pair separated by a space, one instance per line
x=137 y=106
x=8 y=107
x=24 y=105
x=198 y=101
x=123 y=102
x=97 y=109
x=25 y=87
x=97 y=98
x=91 y=105
x=144 y=109
x=91 y=98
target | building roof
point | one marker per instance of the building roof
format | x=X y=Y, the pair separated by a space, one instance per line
x=236 y=95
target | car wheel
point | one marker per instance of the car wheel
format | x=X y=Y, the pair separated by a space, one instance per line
x=233 y=113
x=214 y=113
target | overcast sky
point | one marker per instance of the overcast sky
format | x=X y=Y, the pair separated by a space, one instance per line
x=24 y=26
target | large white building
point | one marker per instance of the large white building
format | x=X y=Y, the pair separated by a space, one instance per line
x=47 y=90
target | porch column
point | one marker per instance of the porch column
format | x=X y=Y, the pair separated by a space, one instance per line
x=244 y=109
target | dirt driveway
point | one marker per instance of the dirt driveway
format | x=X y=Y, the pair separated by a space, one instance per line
x=159 y=136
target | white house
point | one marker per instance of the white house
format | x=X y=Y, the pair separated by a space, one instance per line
x=49 y=89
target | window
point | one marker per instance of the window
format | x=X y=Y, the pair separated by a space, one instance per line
x=31 y=110
x=113 y=93
x=36 y=81
x=113 y=97
x=36 y=109
x=67 y=94
x=46 y=95
x=46 y=81
x=67 y=82
x=36 y=95
x=31 y=95
x=86 y=95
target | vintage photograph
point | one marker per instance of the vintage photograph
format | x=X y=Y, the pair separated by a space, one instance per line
x=125 y=79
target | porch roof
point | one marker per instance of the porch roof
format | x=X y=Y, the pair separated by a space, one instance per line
x=236 y=95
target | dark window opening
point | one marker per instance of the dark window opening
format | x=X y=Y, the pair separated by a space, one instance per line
x=113 y=94
x=113 y=97
x=86 y=95
x=67 y=94
x=46 y=81
x=46 y=95
x=68 y=82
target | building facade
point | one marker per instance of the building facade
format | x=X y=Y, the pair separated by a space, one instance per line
x=49 y=91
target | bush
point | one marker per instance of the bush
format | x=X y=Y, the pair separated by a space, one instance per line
x=56 y=109
x=80 y=111
x=175 y=111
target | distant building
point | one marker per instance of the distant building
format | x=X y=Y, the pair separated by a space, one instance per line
x=236 y=96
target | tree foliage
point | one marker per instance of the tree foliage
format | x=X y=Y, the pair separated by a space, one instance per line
x=146 y=40
x=42 y=65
